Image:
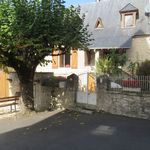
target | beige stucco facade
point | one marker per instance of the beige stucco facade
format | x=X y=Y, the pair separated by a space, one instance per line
x=140 y=49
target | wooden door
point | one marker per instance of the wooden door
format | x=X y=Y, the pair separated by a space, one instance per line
x=4 y=87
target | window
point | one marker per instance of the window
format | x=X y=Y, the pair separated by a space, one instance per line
x=99 y=24
x=90 y=58
x=65 y=60
x=129 y=15
x=129 y=20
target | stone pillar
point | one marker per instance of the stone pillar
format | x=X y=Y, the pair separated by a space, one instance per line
x=42 y=97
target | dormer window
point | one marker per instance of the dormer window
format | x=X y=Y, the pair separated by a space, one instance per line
x=129 y=20
x=99 y=24
x=129 y=15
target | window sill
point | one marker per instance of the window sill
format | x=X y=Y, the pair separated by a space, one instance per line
x=98 y=28
x=128 y=27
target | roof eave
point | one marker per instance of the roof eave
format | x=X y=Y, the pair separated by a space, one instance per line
x=128 y=11
x=109 y=47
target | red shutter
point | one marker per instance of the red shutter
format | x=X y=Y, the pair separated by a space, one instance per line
x=74 y=62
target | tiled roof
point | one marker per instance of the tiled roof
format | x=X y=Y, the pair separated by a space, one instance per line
x=112 y=35
x=129 y=7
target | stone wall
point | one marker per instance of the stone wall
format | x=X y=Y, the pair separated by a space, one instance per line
x=45 y=96
x=48 y=98
x=123 y=103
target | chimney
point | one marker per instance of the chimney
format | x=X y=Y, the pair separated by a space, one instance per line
x=98 y=0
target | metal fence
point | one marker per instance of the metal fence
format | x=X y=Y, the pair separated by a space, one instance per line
x=139 y=84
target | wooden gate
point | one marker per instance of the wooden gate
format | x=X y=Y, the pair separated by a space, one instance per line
x=87 y=89
x=4 y=85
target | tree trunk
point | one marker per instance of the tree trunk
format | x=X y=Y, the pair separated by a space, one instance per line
x=27 y=94
x=26 y=85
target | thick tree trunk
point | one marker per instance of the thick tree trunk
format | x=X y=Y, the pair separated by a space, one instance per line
x=26 y=78
x=27 y=94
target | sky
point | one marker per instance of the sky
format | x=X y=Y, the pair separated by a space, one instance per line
x=76 y=2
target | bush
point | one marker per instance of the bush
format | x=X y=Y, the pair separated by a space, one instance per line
x=144 y=68
x=111 y=63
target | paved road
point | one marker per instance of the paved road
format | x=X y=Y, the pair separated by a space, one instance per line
x=74 y=131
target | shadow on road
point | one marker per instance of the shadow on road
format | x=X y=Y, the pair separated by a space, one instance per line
x=70 y=130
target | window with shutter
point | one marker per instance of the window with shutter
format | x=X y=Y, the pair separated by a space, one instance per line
x=55 y=59
x=64 y=60
x=74 y=56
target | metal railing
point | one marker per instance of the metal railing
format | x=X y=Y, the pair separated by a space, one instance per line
x=139 y=84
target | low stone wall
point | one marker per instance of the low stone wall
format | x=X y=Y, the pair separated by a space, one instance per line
x=47 y=98
x=121 y=103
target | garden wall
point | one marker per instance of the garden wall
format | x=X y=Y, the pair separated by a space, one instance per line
x=45 y=97
x=48 y=98
x=123 y=103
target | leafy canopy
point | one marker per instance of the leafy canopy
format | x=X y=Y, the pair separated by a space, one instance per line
x=31 y=29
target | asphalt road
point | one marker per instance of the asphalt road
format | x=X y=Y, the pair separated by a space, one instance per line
x=74 y=131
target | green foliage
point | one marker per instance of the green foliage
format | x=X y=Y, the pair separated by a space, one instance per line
x=29 y=30
x=4 y=68
x=118 y=59
x=144 y=68
x=110 y=63
x=133 y=67
x=103 y=66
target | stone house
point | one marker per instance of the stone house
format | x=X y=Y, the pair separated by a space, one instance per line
x=122 y=25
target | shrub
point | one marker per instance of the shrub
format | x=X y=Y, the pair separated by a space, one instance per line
x=144 y=68
x=111 y=63
x=133 y=67
x=103 y=66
